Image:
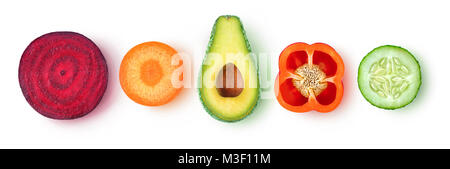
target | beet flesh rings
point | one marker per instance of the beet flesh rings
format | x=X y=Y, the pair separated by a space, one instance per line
x=63 y=75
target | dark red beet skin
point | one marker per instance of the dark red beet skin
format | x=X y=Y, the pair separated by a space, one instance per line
x=63 y=75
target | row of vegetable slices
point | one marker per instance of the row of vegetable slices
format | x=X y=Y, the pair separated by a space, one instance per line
x=63 y=75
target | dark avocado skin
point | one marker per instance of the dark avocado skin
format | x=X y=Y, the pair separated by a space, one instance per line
x=211 y=39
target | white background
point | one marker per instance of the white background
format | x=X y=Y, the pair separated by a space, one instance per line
x=353 y=28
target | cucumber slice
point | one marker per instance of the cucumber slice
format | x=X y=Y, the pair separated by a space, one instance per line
x=389 y=77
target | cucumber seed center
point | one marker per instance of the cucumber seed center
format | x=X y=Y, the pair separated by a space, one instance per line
x=387 y=77
x=310 y=81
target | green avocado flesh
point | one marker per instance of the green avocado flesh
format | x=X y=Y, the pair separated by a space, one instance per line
x=228 y=46
x=389 y=77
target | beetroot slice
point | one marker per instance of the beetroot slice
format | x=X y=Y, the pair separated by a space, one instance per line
x=63 y=75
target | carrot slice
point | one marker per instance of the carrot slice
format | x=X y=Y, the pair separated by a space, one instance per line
x=151 y=73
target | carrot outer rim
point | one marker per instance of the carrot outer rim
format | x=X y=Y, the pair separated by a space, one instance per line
x=154 y=64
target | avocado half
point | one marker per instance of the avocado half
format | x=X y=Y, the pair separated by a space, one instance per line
x=229 y=94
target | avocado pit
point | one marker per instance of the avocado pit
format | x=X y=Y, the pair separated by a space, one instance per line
x=229 y=82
